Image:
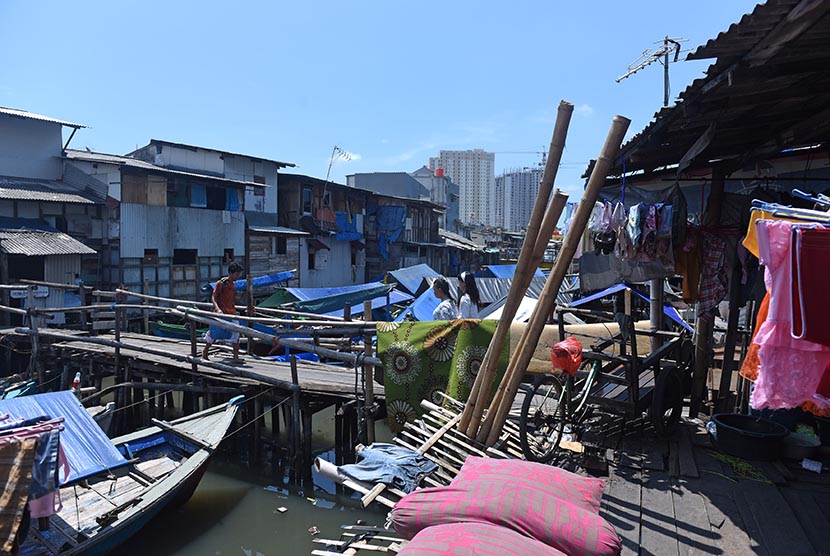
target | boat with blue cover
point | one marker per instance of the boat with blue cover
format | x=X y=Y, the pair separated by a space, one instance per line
x=115 y=487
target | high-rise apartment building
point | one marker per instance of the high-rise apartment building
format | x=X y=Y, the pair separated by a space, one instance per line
x=474 y=172
x=516 y=192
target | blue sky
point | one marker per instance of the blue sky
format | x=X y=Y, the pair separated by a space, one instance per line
x=391 y=82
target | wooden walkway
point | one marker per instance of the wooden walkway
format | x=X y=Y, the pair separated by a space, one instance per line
x=314 y=378
x=680 y=496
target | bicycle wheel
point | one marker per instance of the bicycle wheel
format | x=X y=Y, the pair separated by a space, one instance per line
x=542 y=419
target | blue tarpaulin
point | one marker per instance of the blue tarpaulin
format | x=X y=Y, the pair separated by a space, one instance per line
x=422 y=307
x=395 y=296
x=346 y=227
x=198 y=195
x=337 y=300
x=261 y=281
x=668 y=310
x=231 y=199
x=390 y=220
x=501 y=271
x=87 y=448
x=410 y=277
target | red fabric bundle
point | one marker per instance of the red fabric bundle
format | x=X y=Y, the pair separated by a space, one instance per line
x=567 y=355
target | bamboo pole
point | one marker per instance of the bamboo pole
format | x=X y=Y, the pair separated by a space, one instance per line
x=264 y=310
x=230 y=369
x=357 y=325
x=552 y=216
x=277 y=341
x=368 y=378
x=493 y=424
x=479 y=395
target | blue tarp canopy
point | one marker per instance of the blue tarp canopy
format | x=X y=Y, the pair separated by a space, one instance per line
x=422 y=307
x=410 y=277
x=87 y=448
x=502 y=271
x=395 y=296
x=668 y=310
x=261 y=281
x=325 y=300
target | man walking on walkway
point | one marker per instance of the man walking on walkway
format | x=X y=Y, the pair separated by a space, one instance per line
x=223 y=302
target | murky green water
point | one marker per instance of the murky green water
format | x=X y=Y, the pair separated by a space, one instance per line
x=234 y=511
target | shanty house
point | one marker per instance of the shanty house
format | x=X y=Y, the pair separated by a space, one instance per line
x=50 y=217
x=334 y=216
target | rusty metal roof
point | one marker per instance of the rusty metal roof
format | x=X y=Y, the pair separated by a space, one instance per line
x=27 y=190
x=36 y=242
x=768 y=91
x=32 y=116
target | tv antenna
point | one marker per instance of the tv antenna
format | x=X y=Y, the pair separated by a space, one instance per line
x=660 y=54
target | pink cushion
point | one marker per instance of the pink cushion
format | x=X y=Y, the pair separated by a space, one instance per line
x=474 y=539
x=532 y=512
x=582 y=491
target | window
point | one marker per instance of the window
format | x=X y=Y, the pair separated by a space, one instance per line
x=216 y=198
x=307 y=197
x=312 y=257
x=184 y=256
x=327 y=199
x=282 y=246
x=228 y=256
x=151 y=256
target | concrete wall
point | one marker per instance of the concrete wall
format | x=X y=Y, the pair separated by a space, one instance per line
x=30 y=148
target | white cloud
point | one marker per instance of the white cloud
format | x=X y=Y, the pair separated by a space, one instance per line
x=584 y=110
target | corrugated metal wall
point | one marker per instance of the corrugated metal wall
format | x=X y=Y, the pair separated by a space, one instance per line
x=60 y=269
x=169 y=228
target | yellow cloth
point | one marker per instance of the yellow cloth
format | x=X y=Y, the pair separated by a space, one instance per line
x=751 y=238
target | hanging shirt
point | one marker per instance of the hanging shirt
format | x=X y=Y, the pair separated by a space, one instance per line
x=750 y=241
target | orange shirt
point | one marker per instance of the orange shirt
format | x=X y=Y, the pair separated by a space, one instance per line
x=223 y=295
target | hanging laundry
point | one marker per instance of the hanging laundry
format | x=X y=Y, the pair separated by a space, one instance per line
x=687 y=262
x=810 y=304
x=790 y=369
x=713 y=281
x=751 y=363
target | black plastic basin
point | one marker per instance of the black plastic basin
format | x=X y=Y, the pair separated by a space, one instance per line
x=749 y=437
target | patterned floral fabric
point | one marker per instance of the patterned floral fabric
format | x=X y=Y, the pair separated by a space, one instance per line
x=423 y=359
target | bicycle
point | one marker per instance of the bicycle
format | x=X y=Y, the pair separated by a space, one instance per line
x=551 y=407
x=556 y=405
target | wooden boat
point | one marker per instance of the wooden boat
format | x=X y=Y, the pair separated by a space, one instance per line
x=166 y=463
x=169 y=330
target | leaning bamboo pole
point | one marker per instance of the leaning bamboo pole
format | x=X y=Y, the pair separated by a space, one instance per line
x=479 y=395
x=349 y=358
x=497 y=414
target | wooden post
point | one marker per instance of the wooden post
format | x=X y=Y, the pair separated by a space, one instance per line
x=120 y=394
x=258 y=418
x=480 y=392
x=492 y=426
x=368 y=379
x=84 y=314
x=249 y=288
x=704 y=326
x=307 y=430
x=5 y=316
x=725 y=387
x=295 y=415
x=145 y=311
x=347 y=312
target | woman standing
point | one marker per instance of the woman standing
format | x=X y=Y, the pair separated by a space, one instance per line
x=470 y=301
x=446 y=309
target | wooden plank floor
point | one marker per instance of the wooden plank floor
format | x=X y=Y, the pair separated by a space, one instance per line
x=313 y=377
x=680 y=497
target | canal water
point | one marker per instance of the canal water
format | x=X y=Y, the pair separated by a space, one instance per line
x=234 y=511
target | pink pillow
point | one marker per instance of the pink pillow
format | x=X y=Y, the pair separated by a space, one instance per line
x=474 y=539
x=529 y=511
x=582 y=491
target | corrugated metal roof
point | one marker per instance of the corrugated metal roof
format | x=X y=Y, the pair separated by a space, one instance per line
x=130 y=162
x=35 y=243
x=766 y=92
x=25 y=190
x=32 y=116
x=186 y=146
x=266 y=223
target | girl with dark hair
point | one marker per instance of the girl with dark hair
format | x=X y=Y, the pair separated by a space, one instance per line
x=470 y=301
x=446 y=309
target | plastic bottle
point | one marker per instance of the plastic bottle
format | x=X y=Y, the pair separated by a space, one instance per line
x=76 y=382
x=811 y=465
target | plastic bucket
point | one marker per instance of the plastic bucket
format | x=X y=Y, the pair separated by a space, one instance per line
x=749 y=437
